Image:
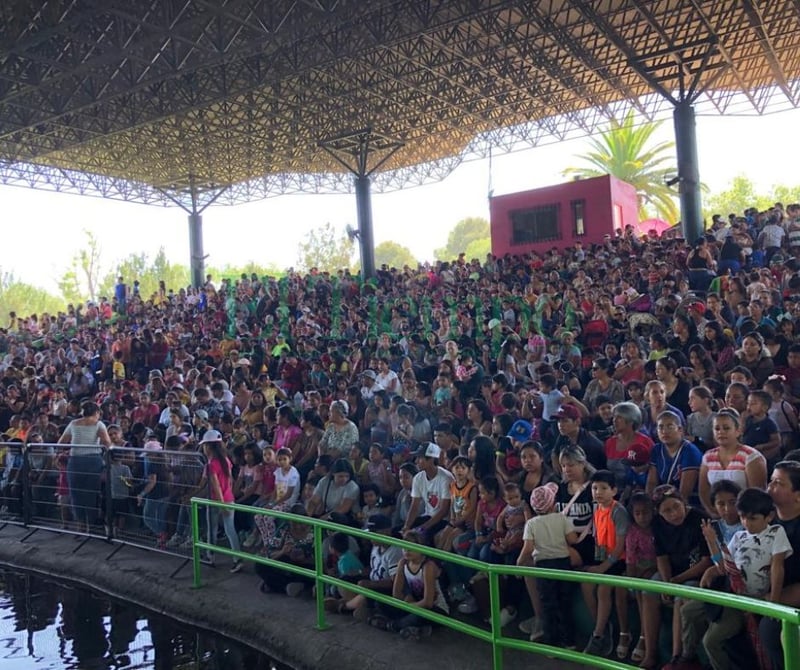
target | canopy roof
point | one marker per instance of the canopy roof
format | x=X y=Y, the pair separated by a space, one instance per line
x=148 y=100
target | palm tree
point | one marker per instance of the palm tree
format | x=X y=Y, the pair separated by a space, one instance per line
x=622 y=152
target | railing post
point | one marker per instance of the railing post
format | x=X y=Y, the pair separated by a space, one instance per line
x=109 y=511
x=195 y=548
x=27 y=490
x=319 y=569
x=791 y=645
x=497 y=628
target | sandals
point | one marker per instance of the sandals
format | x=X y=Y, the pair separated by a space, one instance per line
x=639 y=651
x=624 y=646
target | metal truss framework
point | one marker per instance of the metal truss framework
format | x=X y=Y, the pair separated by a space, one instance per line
x=136 y=99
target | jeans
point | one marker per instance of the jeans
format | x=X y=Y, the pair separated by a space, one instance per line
x=480 y=552
x=213 y=516
x=154 y=514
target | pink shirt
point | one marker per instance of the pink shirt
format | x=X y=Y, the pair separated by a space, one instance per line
x=225 y=484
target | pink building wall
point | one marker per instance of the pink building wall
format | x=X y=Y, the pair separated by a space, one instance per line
x=519 y=220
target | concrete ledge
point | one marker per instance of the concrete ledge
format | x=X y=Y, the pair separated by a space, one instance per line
x=232 y=605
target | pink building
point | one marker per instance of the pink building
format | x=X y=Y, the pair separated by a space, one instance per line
x=558 y=216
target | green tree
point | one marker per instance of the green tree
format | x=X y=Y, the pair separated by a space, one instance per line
x=738 y=197
x=624 y=152
x=478 y=249
x=82 y=278
x=461 y=236
x=394 y=255
x=138 y=266
x=25 y=299
x=326 y=249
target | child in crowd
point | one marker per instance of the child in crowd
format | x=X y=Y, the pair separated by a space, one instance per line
x=700 y=423
x=416 y=581
x=682 y=557
x=489 y=509
x=723 y=498
x=348 y=567
x=547 y=538
x=358 y=463
x=371 y=504
x=508 y=539
x=121 y=483
x=402 y=503
x=640 y=561
x=464 y=497
x=379 y=472
x=550 y=398
x=782 y=412
x=611 y=522
x=761 y=432
x=758 y=551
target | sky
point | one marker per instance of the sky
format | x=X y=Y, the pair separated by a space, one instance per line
x=42 y=230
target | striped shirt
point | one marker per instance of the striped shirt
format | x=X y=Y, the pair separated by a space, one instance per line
x=736 y=470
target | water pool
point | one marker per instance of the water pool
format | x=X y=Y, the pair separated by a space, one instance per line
x=50 y=625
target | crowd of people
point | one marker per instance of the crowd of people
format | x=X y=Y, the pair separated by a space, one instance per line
x=628 y=408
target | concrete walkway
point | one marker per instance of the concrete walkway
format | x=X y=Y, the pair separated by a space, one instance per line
x=232 y=605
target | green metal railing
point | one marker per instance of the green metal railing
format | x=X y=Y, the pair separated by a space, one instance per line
x=789 y=616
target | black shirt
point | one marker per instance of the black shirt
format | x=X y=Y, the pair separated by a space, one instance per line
x=684 y=545
x=791 y=565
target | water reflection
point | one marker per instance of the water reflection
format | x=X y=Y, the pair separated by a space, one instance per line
x=50 y=626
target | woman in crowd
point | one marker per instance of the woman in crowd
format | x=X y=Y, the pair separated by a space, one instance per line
x=730 y=459
x=602 y=383
x=341 y=435
x=88 y=437
x=755 y=357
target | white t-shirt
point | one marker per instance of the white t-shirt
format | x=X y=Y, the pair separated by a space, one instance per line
x=283 y=482
x=549 y=534
x=753 y=556
x=383 y=562
x=431 y=491
x=389 y=381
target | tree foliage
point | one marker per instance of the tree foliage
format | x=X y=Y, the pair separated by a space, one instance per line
x=148 y=272
x=326 y=249
x=742 y=194
x=464 y=233
x=394 y=255
x=24 y=299
x=624 y=152
x=82 y=278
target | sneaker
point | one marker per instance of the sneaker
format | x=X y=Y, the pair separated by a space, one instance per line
x=469 y=606
x=598 y=646
x=295 y=589
x=250 y=540
x=237 y=566
x=537 y=632
x=457 y=592
x=186 y=544
x=176 y=541
x=507 y=615
x=526 y=625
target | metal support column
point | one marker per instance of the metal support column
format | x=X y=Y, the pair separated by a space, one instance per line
x=688 y=170
x=353 y=151
x=196 y=258
x=365 y=234
x=194 y=210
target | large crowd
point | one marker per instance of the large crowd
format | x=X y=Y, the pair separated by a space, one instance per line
x=628 y=408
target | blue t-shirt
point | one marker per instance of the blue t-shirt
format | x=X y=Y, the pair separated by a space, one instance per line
x=758 y=432
x=688 y=458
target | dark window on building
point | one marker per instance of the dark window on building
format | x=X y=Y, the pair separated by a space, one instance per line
x=538 y=224
x=578 y=212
